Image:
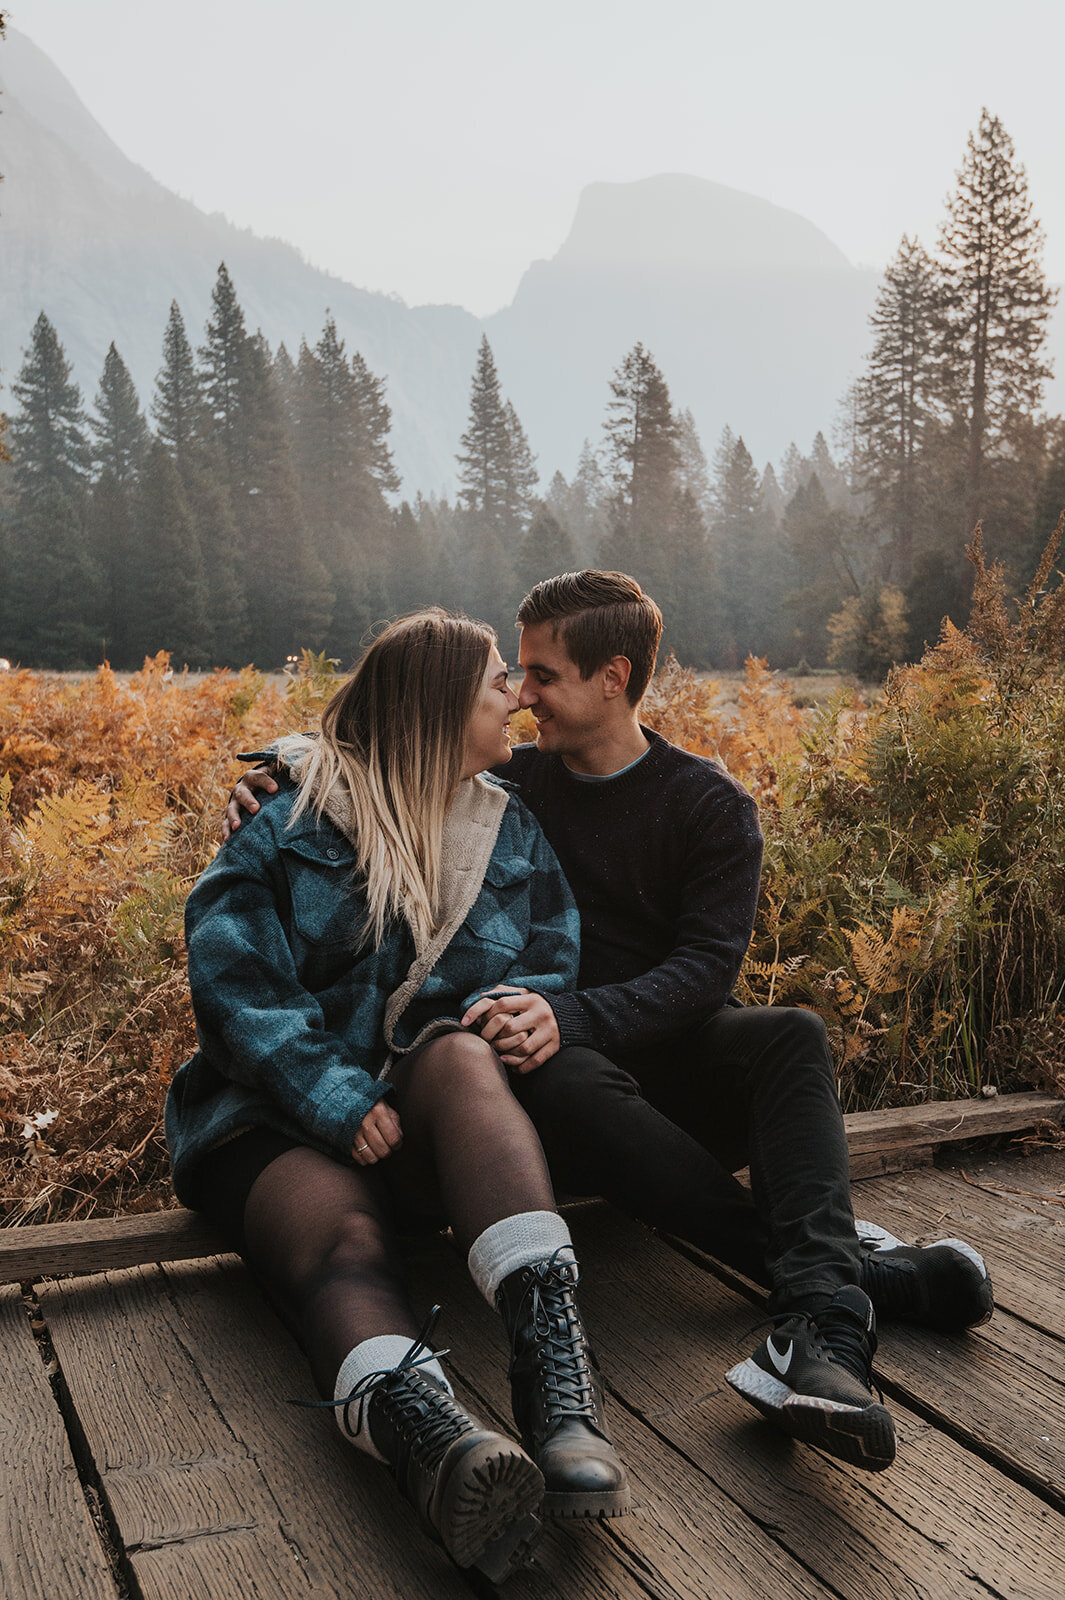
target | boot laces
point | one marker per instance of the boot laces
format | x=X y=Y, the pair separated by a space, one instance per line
x=561 y=1349
x=426 y=1414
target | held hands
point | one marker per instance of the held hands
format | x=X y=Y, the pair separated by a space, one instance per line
x=378 y=1135
x=520 y=1026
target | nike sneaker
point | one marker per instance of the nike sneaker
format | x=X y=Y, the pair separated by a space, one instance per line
x=813 y=1377
x=945 y=1285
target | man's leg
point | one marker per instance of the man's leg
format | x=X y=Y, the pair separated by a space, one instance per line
x=757 y=1085
x=762 y=1091
x=602 y=1136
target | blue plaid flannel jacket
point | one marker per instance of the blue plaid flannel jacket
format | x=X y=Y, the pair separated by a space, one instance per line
x=295 y=1021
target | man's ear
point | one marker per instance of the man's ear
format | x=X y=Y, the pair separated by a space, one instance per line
x=616 y=675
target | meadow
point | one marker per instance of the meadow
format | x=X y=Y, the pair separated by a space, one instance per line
x=913 y=893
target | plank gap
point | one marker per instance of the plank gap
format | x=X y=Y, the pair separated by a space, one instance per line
x=114 y=1551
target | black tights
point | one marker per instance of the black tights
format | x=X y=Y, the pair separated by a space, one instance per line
x=317 y=1232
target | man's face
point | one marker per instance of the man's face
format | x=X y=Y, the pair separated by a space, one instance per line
x=570 y=711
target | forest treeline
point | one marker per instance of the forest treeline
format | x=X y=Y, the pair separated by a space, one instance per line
x=253 y=509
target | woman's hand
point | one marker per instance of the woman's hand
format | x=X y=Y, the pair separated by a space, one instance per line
x=243 y=797
x=520 y=1026
x=379 y=1134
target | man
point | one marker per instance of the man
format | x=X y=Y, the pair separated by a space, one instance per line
x=650 y=1086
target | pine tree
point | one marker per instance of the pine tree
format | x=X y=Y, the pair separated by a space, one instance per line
x=178 y=407
x=642 y=434
x=995 y=299
x=286 y=588
x=694 y=468
x=484 y=456
x=168 y=606
x=48 y=440
x=520 y=476
x=740 y=553
x=223 y=364
x=489 y=496
x=545 y=551
x=896 y=402
x=120 y=431
x=54 y=583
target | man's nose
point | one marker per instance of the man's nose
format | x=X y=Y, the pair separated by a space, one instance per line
x=527 y=695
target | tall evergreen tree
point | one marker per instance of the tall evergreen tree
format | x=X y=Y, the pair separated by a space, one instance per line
x=996 y=302
x=168 y=605
x=545 y=551
x=223 y=367
x=643 y=469
x=694 y=468
x=54 y=583
x=484 y=454
x=48 y=438
x=286 y=588
x=896 y=402
x=520 y=476
x=178 y=407
x=118 y=426
x=743 y=561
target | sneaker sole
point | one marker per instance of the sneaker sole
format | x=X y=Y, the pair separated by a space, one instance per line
x=863 y=1436
x=486 y=1511
x=880 y=1239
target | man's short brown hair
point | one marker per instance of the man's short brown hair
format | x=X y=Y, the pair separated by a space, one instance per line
x=599 y=615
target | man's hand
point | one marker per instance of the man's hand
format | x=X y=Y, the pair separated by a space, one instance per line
x=520 y=1026
x=379 y=1134
x=243 y=797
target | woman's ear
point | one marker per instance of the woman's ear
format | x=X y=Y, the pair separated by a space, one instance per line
x=616 y=675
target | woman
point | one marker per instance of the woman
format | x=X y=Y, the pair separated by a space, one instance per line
x=333 y=944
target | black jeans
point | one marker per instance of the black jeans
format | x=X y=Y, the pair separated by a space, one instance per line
x=752 y=1086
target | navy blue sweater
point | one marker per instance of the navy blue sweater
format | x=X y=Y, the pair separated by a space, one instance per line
x=664 y=863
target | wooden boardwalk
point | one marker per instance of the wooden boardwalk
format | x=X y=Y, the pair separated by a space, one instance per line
x=147 y=1450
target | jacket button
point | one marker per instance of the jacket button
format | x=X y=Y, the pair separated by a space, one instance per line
x=334 y=855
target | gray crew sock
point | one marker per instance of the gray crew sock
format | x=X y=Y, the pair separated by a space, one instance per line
x=517 y=1241
x=380 y=1354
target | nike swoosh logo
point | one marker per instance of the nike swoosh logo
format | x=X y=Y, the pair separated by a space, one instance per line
x=781 y=1362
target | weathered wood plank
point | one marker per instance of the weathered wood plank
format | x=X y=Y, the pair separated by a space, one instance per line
x=1024 y=1246
x=945 y=1121
x=181 y=1378
x=941 y=1522
x=880 y=1142
x=49 y=1547
x=52 y=1248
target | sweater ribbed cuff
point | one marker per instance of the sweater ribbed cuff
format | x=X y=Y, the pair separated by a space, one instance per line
x=574 y=1024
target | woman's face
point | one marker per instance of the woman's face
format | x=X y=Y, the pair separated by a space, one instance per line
x=488 y=733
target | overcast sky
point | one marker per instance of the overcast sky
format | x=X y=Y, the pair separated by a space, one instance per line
x=433 y=148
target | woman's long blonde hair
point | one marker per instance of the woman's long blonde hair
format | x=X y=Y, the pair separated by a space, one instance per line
x=394 y=736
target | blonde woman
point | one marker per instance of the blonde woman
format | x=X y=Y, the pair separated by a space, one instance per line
x=334 y=943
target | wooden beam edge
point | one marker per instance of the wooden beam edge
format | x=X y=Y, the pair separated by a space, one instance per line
x=879 y=1141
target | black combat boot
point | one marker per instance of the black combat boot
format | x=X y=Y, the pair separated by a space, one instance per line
x=475 y=1492
x=556 y=1394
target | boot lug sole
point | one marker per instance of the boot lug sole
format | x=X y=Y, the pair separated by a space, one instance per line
x=616 y=1503
x=486 y=1508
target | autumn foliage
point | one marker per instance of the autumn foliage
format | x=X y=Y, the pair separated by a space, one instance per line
x=914 y=890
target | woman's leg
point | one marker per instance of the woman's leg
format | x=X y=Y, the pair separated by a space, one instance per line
x=458 y=1112
x=315 y=1232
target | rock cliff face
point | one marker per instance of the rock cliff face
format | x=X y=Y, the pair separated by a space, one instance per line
x=97 y=243
x=754 y=316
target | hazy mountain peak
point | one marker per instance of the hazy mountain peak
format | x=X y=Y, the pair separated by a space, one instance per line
x=31 y=77
x=676 y=221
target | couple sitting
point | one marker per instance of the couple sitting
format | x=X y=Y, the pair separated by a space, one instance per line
x=401 y=1018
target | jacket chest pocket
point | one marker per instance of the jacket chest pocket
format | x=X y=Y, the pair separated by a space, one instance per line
x=500 y=914
x=326 y=910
